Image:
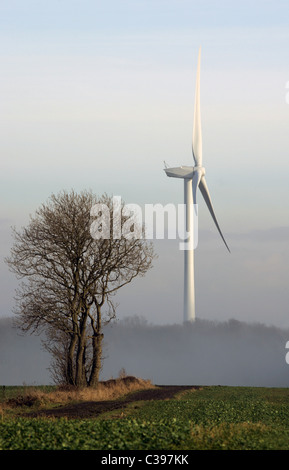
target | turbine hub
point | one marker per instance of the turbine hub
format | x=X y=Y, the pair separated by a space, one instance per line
x=199 y=169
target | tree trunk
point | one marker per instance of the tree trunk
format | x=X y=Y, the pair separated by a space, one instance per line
x=80 y=378
x=96 y=359
x=70 y=361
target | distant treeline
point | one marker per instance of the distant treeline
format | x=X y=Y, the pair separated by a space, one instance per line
x=202 y=353
x=205 y=352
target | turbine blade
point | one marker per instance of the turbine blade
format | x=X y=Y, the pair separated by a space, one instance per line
x=205 y=192
x=197 y=131
x=195 y=183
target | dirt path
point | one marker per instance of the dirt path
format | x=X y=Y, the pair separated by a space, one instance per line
x=92 y=409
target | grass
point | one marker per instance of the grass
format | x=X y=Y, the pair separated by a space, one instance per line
x=45 y=396
x=220 y=418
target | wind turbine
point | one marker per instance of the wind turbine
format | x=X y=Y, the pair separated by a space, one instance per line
x=194 y=178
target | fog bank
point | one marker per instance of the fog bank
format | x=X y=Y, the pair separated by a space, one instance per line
x=22 y=358
x=203 y=353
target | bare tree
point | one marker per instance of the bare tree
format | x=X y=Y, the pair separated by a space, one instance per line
x=70 y=278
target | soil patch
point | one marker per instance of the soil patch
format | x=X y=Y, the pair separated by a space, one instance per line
x=92 y=409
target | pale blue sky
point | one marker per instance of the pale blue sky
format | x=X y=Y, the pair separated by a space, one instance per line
x=96 y=94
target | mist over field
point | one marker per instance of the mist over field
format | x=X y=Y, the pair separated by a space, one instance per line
x=203 y=353
x=22 y=358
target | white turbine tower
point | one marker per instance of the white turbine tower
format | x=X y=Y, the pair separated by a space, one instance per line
x=194 y=178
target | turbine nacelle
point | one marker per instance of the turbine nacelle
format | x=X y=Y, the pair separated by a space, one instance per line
x=185 y=171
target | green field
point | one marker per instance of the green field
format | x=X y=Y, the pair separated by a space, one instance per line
x=225 y=418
